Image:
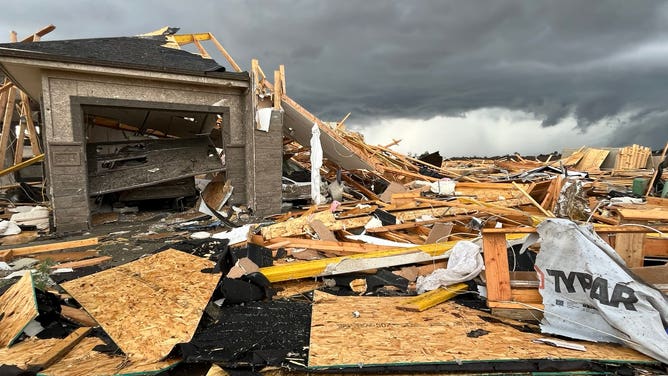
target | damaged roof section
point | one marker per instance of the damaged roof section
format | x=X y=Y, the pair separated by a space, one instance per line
x=145 y=53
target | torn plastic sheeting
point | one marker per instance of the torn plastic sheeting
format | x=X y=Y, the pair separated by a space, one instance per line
x=236 y=235
x=9 y=228
x=316 y=164
x=589 y=293
x=465 y=263
x=263 y=119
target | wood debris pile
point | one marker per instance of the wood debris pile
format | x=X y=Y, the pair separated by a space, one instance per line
x=301 y=290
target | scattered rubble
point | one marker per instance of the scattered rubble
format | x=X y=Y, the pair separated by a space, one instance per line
x=375 y=262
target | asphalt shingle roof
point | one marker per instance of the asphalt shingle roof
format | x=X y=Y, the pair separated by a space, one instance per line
x=145 y=53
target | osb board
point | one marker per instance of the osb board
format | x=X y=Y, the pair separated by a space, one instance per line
x=384 y=335
x=18 y=307
x=25 y=352
x=299 y=287
x=82 y=360
x=149 y=305
x=592 y=160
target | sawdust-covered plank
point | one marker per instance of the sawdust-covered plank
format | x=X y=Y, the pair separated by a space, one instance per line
x=18 y=307
x=387 y=335
x=149 y=305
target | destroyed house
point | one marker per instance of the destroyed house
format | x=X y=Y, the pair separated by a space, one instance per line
x=121 y=114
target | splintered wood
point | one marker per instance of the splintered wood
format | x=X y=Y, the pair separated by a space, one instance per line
x=149 y=305
x=386 y=335
x=18 y=307
x=82 y=360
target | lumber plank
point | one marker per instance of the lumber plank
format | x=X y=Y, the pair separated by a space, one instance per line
x=533 y=202
x=645 y=214
x=20 y=137
x=326 y=245
x=61 y=348
x=18 y=306
x=32 y=132
x=24 y=251
x=40 y=33
x=6 y=124
x=432 y=298
x=224 y=52
x=82 y=263
x=409 y=225
x=655 y=247
x=67 y=256
x=78 y=316
x=496 y=267
x=149 y=305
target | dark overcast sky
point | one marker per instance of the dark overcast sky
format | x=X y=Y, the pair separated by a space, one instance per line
x=462 y=77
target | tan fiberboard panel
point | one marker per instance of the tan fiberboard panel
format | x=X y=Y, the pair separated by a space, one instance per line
x=149 y=305
x=18 y=307
x=82 y=360
x=386 y=335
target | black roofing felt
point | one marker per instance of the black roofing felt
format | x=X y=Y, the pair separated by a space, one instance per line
x=125 y=52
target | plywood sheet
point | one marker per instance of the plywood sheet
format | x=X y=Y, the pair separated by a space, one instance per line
x=149 y=305
x=81 y=360
x=18 y=307
x=592 y=160
x=385 y=335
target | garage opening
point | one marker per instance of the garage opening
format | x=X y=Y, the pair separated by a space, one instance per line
x=151 y=159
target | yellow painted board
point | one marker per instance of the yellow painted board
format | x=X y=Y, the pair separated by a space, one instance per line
x=432 y=298
x=307 y=269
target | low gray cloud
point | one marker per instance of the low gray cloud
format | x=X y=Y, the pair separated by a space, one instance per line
x=592 y=61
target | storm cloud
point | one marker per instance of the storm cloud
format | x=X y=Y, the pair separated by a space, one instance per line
x=573 y=65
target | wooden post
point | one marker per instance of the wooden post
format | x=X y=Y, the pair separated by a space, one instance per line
x=281 y=68
x=651 y=182
x=20 y=136
x=497 y=272
x=32 y=132
x=277 y=90
x=6 y=125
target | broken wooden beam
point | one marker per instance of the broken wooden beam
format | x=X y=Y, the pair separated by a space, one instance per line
x=60 y=349
x=82 y=263
x=78 y=316
x=432 y=298
x=21 y=165
x=8 y=254
x=360 y=262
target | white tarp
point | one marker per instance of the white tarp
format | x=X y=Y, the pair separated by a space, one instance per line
x=465 y=263
x=316 y=163
x=589 y=293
